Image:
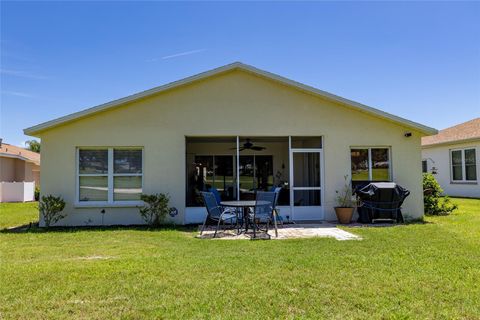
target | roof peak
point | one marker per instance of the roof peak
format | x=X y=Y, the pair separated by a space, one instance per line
x=35 y=130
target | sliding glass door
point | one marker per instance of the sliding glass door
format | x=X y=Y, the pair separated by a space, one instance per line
x=255 y=173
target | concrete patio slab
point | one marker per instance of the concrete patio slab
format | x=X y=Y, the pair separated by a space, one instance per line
x=290 y=231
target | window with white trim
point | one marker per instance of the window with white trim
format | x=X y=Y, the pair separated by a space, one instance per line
x=370 y=164
x=109 y=175
x=463 y=165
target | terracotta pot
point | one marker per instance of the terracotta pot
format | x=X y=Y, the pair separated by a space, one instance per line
x=344 y=214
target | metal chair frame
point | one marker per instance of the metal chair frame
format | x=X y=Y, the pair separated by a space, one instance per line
x=259 y=212
x=276 y=216
x=216 y=212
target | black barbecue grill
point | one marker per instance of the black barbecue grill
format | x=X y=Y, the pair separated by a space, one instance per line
x=380 y=201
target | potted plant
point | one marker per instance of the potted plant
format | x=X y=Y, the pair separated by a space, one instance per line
x=345 y=205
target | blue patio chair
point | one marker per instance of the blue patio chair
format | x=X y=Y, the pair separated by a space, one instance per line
x=276 y=189
x=216 y=213
x=215 y=192
x=263 y=212
x=276 y=217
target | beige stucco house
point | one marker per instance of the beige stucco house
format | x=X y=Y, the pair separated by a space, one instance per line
x=453 y=156
x=19 y=173
x=236 y=129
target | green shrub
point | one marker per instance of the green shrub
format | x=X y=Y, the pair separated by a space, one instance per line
x=432 y=197
x=36 y=193
x=156 y=208
x=51 y=208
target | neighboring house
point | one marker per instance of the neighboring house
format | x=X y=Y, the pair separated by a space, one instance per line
x=19 y=173
x=235 y=128
x=453 y=156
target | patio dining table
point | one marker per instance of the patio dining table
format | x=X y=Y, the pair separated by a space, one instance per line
x=244 y=204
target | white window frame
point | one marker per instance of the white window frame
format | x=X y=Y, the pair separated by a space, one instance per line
x=390 y=169
x=464 y=165
x=110 y=179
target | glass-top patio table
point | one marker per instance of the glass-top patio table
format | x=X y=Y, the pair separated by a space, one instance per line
x=240 y=203
x=244 y=204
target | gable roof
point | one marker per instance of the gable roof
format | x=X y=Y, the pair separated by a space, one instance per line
x=11 y=151
x=462 y=132
x=233 y=66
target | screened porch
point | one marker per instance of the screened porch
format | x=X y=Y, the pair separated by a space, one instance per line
x=235 y=168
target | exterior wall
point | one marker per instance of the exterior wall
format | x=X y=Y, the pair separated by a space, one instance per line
x=28 y=174
x=19 y=170
x=439 y=157
x=12 y=169
x=32 y=173
x=36 y=175
x=7 y=169
x=235 y=103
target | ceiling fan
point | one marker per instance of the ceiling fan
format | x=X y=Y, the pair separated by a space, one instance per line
x=248 y=145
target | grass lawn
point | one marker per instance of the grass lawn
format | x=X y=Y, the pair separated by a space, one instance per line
x=16 y=214
x=429 y=270
x=378 y=174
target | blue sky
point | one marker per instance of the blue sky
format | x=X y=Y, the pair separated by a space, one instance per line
x=418 y=60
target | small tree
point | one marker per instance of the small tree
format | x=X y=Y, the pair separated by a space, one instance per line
x=156 y=208
x=51 y=208
x=33 y=145
x=432 y=197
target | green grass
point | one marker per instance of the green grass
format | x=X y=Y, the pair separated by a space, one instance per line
x=246 y=182
x=16 y=214
x=378 y=174
x=429 y=270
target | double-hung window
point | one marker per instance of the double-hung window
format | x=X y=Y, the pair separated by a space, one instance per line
x=109 y=175
x=463 y=165
x=370 y=164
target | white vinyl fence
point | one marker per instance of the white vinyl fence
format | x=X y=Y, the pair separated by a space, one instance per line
x=17 y=191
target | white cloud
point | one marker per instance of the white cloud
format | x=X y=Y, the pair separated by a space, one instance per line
x=180 y=54
x=17 y=94
x=22 y=74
